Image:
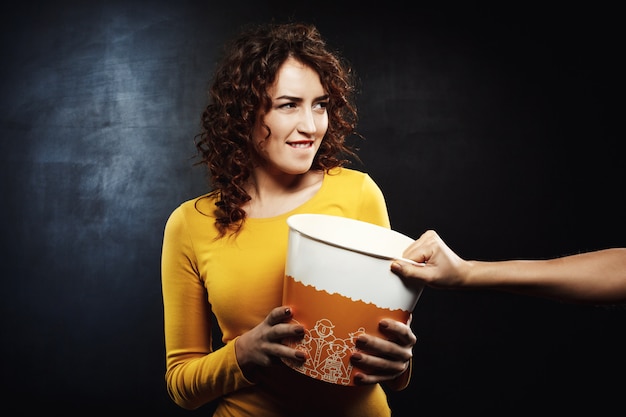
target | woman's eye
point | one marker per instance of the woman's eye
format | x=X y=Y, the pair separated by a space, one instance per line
x=321 y=105
x=287 y=106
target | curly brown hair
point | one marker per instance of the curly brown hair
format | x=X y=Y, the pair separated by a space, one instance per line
x=238 y=96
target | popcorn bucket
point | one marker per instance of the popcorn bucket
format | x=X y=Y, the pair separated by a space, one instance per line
x=339 y=284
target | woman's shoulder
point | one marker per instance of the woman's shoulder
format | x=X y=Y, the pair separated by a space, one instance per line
x=348 y=177
x=346 y=174
x=203 y=205
x=191 y=217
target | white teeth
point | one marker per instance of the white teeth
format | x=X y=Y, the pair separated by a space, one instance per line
x=300 y=145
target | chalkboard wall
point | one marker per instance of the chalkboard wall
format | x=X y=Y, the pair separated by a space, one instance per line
x=501 y=128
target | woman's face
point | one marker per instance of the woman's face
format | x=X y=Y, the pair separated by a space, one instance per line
x=297 y=119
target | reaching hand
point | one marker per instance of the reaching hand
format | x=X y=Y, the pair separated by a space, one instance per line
x=441 y=266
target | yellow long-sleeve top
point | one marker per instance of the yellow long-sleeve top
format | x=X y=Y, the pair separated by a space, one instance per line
x=241 y=279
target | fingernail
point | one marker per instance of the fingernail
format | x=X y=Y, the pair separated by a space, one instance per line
x=287 y=311
x=358 y=378
x=356 y=356
x=300 y=355
x=383 y=324
x=299 y=330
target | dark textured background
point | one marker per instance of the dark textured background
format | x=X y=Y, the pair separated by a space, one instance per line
x=498 y=127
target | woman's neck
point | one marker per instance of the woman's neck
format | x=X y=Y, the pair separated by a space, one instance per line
x=273 y=195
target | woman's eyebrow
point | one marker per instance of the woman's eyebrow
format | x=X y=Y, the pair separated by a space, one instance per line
x=299 y=99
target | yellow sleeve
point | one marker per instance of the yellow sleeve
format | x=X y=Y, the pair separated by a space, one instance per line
x=195 y=374
x=374 y=210
x=373 y=206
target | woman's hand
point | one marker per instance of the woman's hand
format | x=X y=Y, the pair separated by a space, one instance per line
x=261 y=346
x=381 y=360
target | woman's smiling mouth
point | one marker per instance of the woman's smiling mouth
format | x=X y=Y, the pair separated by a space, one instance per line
x=301 y=144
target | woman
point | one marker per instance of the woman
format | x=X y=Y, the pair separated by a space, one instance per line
x=273 y=140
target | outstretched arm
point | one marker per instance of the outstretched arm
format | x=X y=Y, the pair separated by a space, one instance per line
x=591 y=277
